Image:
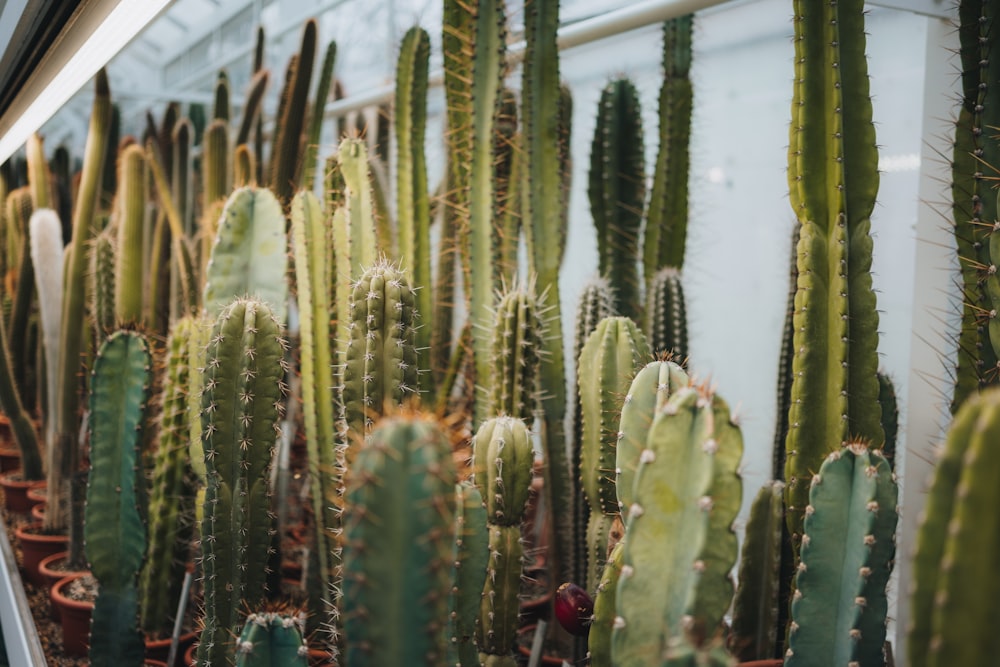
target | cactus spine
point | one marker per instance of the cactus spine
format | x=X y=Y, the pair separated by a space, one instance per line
x=517 y=340
x=666 y=314
x=502 y=465
x=679 y=543
x=846 y=558
x=271 y=639
x=399 y=532
x=241 y=402
x=471 y=558
x=617 y=191
x=609 y=360
x=833 y=180
x=114 y=531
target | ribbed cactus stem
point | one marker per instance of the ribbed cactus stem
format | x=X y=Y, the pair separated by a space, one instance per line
x=361 y=247
x=215 y=163
x=241 y=401
x=833 y=181
x=840 y=605
x=471 y=559
x=517 y=335
x=502 y=466
x=180 y=180
x=890 y=416
x=220 y=107
x=252 y=109
x=272 y=639
x=288 y=133
x=398 y=545
x=38 y=173
x=666 y=314
x=129 y=266
x=608 y=361
x=605 y=598
x=114 y=530
x=316 y=118
x=679 y=542
x=20 y=210
x=617 y=191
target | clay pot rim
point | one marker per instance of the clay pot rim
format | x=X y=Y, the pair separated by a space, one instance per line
x=5 y=480
x=66 y=601
x=30 y=530
x=773 y=662
x=56 y=574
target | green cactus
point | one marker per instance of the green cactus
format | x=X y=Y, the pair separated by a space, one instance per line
x=243 y=167
x=833 y=180
x=839 y=606
x=380 y=360
x=785 y=358
x=114 y=530
x=288 y=132
x=20 y=420
x=666 y=314
x=471 y=558
x=617 y=191
x=398 y=545
x=215 y=167
x=608 y=361
x=171 y=493
x=249 y=257
x=220 y=107
x=649 y=392
x=252 y=109
x=517 y=334
x=890 y=416
x=314 y=276
x=38 y=173
x=413 y=211
x=19 y=210
x=360 y=243
x=679 y=542
x=241 y=401
x=316 y=118
x=272 y=639
x=954 y=586
x=666 y=224
x=507 y=165
x=129 y=265
x=755 y=610
x=180 y=180
x=102 y=283
x=502 y=466
x=605 y=598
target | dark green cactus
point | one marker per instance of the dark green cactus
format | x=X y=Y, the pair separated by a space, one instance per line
x=608 y=361
x=502 y=466
x=252 y=110
x=679 y=542
x=890 y=416
x=413 y=211
x=19 y=210
x=288 y=132
x=241 y=401
x=839 y=606
x=316 y=117
x=272 y=639
x=508 y=184
x=785 y=358
x=171 y=493
x=114 y=530
x=381 y=360
x=359 y=240
x=180 y=181
x=220 y=107
x=249 y=257
x=833 y=180
x=954 y=585
x=398 y=545
x=666 y=314
x=755 y=610
x=605 y=611
x=129 y=264
x=666 y=224
x=517 y=334
x=617 y=191
x=471 y=559
x=215 y=164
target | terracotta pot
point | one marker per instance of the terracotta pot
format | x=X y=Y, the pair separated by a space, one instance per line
x=10 y=456
x=15 y=491
x=159 y=649
x=75 y=617
x=50 y=573
x=319 y=658
x=38 y=512
x=35 y=546
x=153 y=663
x=38 y=494
x=762 y=663
x=189 y=655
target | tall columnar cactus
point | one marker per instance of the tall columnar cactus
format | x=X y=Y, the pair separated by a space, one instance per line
x=171 y=493
x=63 y=452
x=543 y=212
x=47 y=251
x=413 y=210
x=314 y=277
x=310 y=155
x=220 y=107
x=20 y=419
x=244 y=367
x=508 y=184
x=114 y=530
x=249 y=257
x=605 y=611
x=502 y=465
x=517 y=335
x=839 y=607
x=251 y=111
x=890 y=416
x=666 y=223
x=471 y=559
x=381 y=360
x=20 y=209
x=833 y=180
x=272 y=639
x=755 y=610
x=617 y=191
x=955 y=584
x=666 y=314
x=399 y=534
x=608 y=361
x=359 y=241
x=974 y=203
x=288 y=133
x=129 y=266
x=215 y=164
x=487 y=84
x=101 y=277
x=679 y=542
x=180 y=180
x=785 y=358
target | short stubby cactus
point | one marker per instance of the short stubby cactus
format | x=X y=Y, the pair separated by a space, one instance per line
x=398 y=545
x=839 y=605
x=679 y=542
x=272 y=639
x=502 y=464
x=241 y=404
